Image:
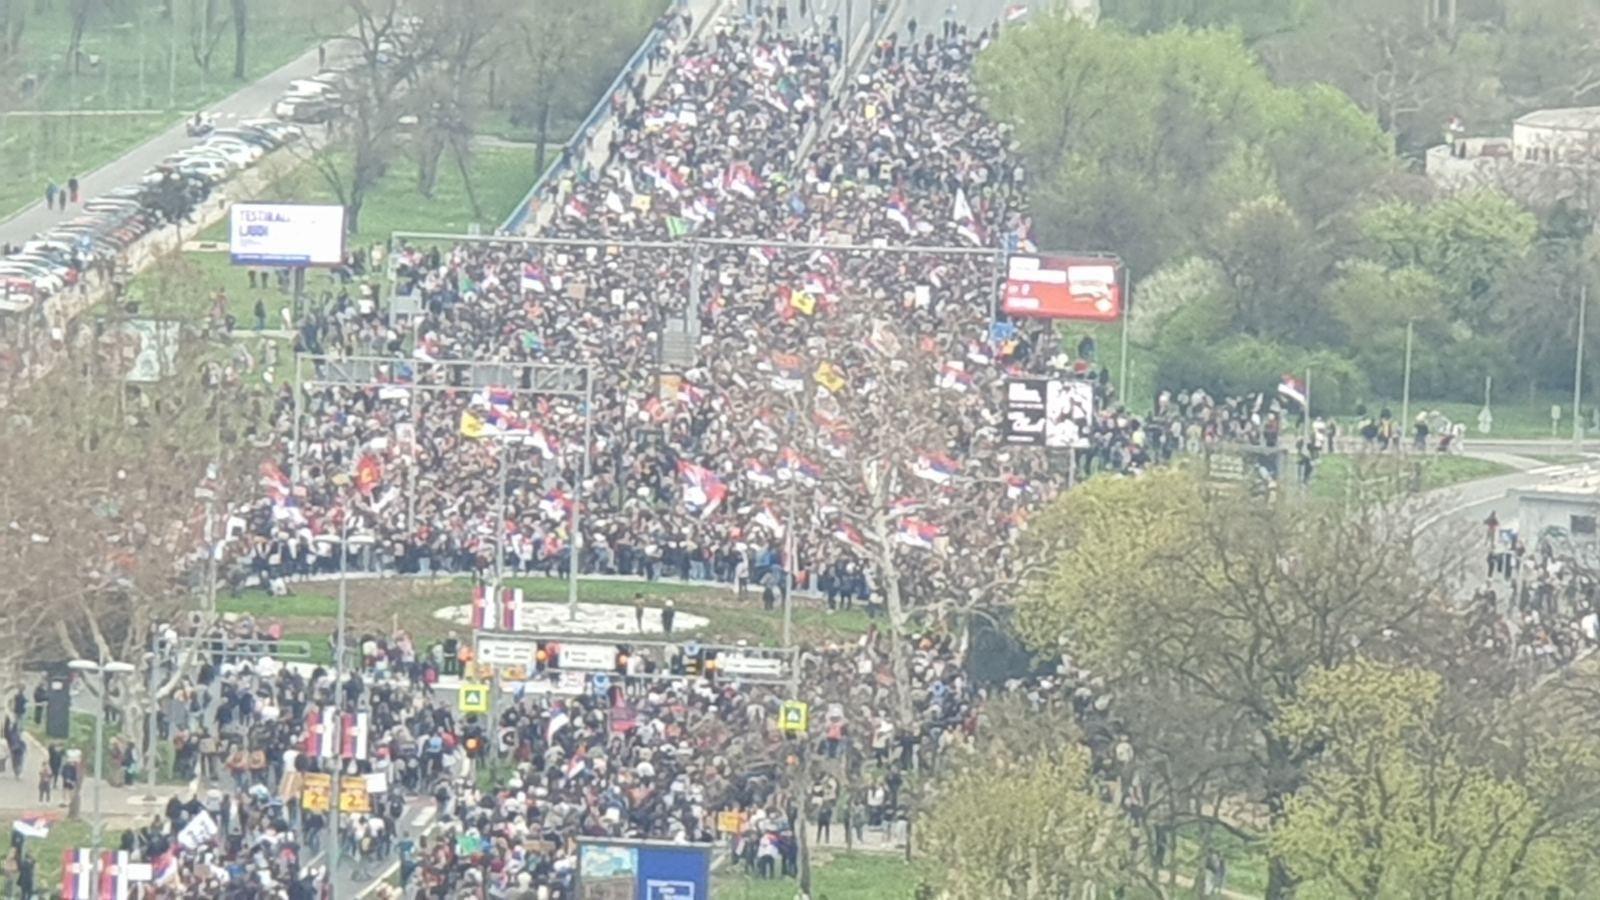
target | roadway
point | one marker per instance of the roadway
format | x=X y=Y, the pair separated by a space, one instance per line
x=253 y=100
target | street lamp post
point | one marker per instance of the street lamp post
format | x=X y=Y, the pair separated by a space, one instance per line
x=345 y=539
x=105 y=668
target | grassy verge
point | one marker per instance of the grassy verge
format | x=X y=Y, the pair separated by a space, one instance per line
x=1340 y=475
x=1247 y=864
x=379 y=605
x=131 y=60
x=80 y=736
x=1561 y=459
x=182 y=285
x=836 y=875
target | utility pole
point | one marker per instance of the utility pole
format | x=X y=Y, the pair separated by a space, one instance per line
x=1577 y=375
x=1405 y=384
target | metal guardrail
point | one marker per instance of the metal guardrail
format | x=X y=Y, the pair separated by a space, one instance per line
x=597 y=115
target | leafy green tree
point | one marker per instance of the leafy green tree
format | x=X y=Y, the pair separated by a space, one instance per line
x=1023 y=816
x=1470 y=242
x=1146 y=144
x=1223 y=605
x=1393 y=806
x=1255 y=18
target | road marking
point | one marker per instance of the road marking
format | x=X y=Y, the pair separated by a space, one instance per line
x=424 y=816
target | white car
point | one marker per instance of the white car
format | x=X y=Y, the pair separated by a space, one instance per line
x=235 y=148
x=283 y=131
x=212 y=170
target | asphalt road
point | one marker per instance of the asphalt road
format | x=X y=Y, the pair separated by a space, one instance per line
x=251 y=101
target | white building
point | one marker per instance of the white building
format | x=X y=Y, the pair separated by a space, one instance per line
x=1551 y=155
x=1565 y=513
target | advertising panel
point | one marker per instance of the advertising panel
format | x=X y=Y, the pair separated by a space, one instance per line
x=286 y=234
x=1063 y=287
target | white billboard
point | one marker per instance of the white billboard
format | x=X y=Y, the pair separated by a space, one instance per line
x=286 y=234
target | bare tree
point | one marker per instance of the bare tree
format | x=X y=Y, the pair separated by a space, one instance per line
x=398 y=45
x=241 y=31
x=206 y=27
x=105 y=500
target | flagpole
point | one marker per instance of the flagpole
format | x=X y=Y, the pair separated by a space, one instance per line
x=1306 y=419
x=573 y=548
x=1405 y=386
x=1122 y=366
x=1577 y=375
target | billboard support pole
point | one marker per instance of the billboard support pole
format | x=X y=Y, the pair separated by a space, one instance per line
x=574 y=539
x=995 y=286
x=1127 y=312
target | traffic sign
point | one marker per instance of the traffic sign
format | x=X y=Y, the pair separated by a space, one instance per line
x=794 y=717
x=473 y=698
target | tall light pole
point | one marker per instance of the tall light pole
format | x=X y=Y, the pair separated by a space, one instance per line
x=105 y=668
x=345 y=539
x=1405 y=385
x=1577 y=375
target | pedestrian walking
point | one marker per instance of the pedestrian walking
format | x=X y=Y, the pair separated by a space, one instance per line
x=50 y=191
x=638 y=611
x=44 y=783
x=667 y=614
x=72 y=189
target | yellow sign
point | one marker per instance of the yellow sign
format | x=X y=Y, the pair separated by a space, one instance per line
x=794 y=717
x=731 y=822
x=317 y=787
x=473 y=698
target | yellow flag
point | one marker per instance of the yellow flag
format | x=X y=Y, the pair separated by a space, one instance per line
x=471 y=425
x=829 y=376
x=803 y=301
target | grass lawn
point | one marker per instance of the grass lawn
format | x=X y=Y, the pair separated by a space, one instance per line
x=181 y=285
x=1514 y=419
x=1335 y=475
x=379 y=605
x=125 y=66
x=1247 y=861
x=80 y=735
x=836 y=875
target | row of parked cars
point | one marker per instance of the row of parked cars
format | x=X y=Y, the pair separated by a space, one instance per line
x=111 y=222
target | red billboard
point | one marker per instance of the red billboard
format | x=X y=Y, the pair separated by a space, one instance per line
x=1063 y=287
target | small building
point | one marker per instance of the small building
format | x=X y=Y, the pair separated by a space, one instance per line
x=1564 y=513
x=1552 y=155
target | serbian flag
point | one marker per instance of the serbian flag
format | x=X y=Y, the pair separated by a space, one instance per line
x=788 y=372
x=935 y=467
x=905 y=506
x=916 y=533
x=1016 y=486
x=703 y=491
x=353 y=736
x=542 y=442
x=1016 y=12
x=511 y=609
x=792 y=465
x=480 y=607
x=368 y=473
x=533 y=278
x=274 y=481
x=769 y=520
x=164 y=867
x=1292 y=388
x=741 y=179
x=322 y=732
x=555 y=506
x=953 y=376
x=558 y=720
x=575 y=209
x=32 y=827
x=76 y=871
x=848 y=533
x=759 y=473
x=899 y=213
x=667 y=178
